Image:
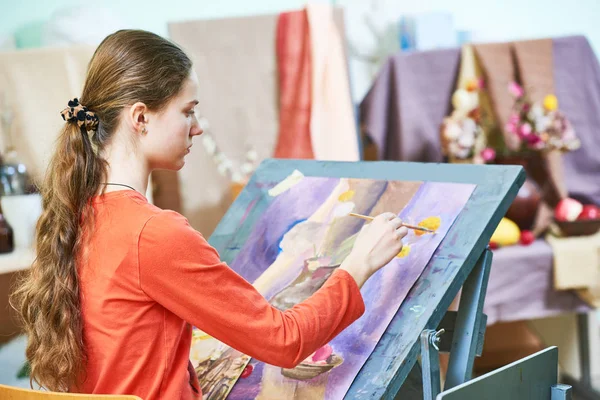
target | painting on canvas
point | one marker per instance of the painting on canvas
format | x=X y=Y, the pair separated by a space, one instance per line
x=302 y=237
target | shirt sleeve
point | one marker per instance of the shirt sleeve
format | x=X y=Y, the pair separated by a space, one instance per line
x=180 y=270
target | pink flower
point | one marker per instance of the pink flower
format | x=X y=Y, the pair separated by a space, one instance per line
x=526 y=107
x=488 y=154
x=481 y=83
x=514 y=118
x=539 y=145
x=533 y=140
x=515 y=89
x=510 y=127
x=525 y=130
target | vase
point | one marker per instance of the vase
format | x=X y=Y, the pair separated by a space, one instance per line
x=524 y=207
x=6 y=235
x=22 y=213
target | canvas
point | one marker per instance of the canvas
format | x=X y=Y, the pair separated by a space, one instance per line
x=302 y=237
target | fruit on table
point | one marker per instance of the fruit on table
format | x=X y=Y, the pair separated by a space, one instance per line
x=568 y=210
x=507 y=233
x=589 y=211
x=527 y=237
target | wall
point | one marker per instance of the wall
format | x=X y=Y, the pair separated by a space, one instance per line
x=25 y=16
x=487 y=20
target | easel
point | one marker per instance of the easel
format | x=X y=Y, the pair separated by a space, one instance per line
x=461 y=261
x=462 y=335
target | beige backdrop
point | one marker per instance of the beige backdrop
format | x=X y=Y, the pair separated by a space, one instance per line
x=235 y=61
x=37 y=84
x=236 y=64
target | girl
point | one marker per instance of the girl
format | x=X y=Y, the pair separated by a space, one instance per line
x=109 y=303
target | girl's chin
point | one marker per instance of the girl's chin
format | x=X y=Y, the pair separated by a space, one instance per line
x=175 y=165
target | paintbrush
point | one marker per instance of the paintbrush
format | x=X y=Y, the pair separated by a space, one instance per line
x=417 y=228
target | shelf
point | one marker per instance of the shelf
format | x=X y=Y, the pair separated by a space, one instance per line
x=17 y=260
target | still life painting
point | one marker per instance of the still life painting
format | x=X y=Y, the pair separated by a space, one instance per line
x=294 y=246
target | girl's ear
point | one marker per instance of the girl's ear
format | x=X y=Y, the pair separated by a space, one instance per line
x=138 y=117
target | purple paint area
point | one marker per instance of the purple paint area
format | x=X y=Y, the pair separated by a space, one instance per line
x=296 y=204
x=383 y=293
x=250 y=386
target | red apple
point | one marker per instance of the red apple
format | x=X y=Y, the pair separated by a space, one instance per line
x=527 y=237
x=589 y=211
x=568 y=210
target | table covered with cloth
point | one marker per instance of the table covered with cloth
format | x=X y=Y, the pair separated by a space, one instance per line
x=402 y=113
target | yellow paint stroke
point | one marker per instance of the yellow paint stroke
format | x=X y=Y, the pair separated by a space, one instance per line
x=346 y=196
x=286 y=184
x=199 y=335
x=432 y=223
x=404 y=252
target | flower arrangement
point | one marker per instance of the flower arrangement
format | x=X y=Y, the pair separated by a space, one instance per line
x=539 y=126
x=462 y=132
x=236 y=173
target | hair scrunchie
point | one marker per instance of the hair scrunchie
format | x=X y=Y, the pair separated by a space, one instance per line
x=80 y=114
x=86 y=120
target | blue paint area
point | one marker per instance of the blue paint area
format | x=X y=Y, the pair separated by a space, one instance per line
x=282 y=236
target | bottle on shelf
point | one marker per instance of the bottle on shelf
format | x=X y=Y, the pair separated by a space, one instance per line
x=6 y=235
x=14 y=177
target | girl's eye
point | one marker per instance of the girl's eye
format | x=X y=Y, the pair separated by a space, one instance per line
x=191 y=112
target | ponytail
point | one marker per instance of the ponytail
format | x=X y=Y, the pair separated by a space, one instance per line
x=48 y=296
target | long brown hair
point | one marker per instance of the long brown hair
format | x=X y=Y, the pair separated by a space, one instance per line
x=127 y=67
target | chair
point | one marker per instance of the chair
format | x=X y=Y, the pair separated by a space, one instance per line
x=13 y=393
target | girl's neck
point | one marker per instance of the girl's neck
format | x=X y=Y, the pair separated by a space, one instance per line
x=126 y=167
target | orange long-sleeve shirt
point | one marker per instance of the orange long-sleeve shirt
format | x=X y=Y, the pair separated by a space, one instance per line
x=146 y=277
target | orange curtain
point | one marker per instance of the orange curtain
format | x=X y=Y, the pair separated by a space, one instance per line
x=294 y=67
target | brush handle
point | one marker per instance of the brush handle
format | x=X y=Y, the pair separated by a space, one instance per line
x=367 y=218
